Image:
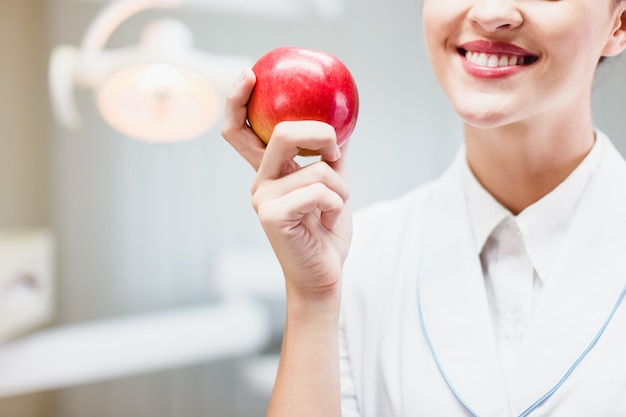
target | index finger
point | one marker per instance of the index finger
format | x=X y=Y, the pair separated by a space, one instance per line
x=235 y=128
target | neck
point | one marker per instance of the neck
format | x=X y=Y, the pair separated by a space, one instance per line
x=522 y=162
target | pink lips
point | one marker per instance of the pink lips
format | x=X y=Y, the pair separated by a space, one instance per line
x=486 y=59
x=495 y=48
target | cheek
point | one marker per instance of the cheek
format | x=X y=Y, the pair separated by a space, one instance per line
x=438 y=17
x=572 y=54
x=439 y=23
x=429 y=18
x=579 y=38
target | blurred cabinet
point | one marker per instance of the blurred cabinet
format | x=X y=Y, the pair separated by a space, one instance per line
x=26 y=282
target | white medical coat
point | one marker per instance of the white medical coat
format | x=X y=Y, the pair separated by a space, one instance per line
x=416 y=331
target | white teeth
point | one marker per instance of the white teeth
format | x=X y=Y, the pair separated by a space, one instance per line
x=481 y=60
x=493 y=61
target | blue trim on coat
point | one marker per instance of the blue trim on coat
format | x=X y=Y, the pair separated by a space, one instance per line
x=546 y=395
x=580 y=358
x=436 y=358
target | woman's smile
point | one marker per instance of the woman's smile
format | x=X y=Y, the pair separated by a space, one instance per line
x=485 y=59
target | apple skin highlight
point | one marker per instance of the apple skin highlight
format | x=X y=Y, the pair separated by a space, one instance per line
x=300 y=84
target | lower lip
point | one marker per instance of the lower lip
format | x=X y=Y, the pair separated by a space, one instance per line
x=488 y=72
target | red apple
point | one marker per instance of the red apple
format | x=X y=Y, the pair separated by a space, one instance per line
x=301 y=84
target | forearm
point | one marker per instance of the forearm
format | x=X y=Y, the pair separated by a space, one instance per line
x=307 y=384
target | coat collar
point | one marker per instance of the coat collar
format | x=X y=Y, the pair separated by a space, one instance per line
x=574 y=307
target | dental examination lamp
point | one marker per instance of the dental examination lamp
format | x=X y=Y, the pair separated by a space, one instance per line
x=162 y=90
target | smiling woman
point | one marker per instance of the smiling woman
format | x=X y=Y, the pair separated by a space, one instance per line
x=496 y=290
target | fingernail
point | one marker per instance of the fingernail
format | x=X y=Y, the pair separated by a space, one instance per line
x=337 y=154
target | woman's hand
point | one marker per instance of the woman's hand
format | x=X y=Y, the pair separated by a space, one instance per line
x=306 y=216
x=304 y=210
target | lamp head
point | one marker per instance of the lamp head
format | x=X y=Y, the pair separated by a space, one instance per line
x=162 y=90
x=159 y=103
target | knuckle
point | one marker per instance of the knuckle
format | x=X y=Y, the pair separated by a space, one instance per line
x=329 y=131
x=324 y=174
x=321 y=169
x=256 y=200
x=346 y=195
x=232 y=96
x=260 y=194
x=318 y=189
x=229 y=128
x=226 y=130
x=267 y=215
x=255 y=204
x=281 y=133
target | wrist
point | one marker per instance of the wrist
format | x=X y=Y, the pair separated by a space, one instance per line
x=314 y=303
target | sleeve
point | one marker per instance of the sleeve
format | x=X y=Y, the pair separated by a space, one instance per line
x=349 y=404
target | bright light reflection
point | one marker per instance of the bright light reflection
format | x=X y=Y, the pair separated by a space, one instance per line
x=159 y=103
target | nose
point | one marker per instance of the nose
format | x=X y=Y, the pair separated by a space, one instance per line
x=495 y=15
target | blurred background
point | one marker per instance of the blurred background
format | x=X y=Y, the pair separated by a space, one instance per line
x=134 y=277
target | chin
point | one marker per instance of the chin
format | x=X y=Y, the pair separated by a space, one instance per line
x=485 y=118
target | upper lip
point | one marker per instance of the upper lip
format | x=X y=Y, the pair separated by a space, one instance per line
x=492 y=47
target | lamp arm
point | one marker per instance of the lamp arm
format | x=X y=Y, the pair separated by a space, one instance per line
x=60 y=81
x=113 y=15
